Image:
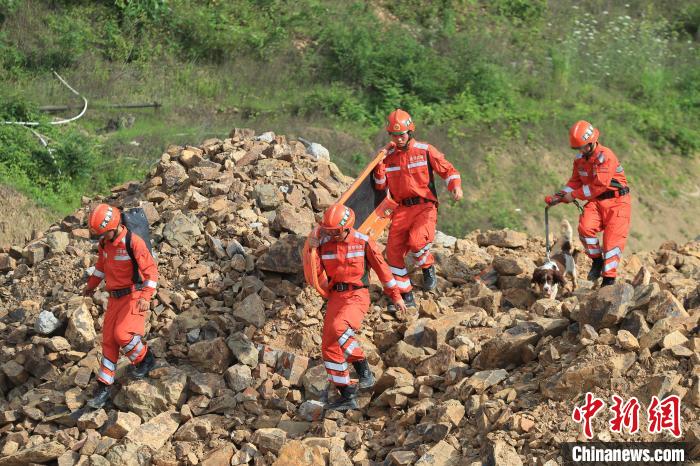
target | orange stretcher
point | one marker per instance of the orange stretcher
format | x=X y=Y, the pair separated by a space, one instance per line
x=373 y=210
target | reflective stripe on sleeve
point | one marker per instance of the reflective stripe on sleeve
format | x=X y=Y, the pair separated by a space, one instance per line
x=361 y=236
x=150 y=284
x=98 y=273
x=452 y=177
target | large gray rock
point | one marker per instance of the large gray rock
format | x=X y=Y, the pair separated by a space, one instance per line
x=173 y=176
x=182 y=231
x=81 y=329
x=57 y=241
x=41 y=453
x=268 y=196
x=606 y=307
x=142 y=398
x=239 y=377
x=297 y=221
x=665 y=304
x=596 y=366
x=502 y=238
x=210 y=355
x=251 y=310
x=156 y=432
x=315 y=381
x=284 y=256
x=500 y=452
x=243 y=349
x=46 y=323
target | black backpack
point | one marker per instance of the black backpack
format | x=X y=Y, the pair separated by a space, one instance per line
x=136 y=223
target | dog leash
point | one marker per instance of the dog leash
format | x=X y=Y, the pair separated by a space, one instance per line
x=546 y=231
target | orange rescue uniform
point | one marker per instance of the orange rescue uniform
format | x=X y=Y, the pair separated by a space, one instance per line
x=124 y=323
x=408 y=175
x=345 y=263
x=600 y=180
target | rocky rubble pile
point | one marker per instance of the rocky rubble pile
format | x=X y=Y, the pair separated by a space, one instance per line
x=482 y=371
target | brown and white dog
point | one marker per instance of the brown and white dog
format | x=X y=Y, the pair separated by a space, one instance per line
x=553 y=273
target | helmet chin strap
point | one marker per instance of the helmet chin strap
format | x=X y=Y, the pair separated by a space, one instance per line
x=590 y=151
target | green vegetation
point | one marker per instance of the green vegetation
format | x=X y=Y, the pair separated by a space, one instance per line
x=491 y=83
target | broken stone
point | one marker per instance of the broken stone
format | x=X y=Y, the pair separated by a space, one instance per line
x=238 y=377
x=605 y=308
x=210 y=355
x=81 y=329
x=121 y=423
x=46 y=323
x=270 y=439
x=627 y=341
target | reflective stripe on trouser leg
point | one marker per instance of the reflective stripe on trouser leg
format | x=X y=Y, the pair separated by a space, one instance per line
x=351 y=349
x=338 y=373
x=107 y=371
x=135 y=350
x=344 y=314
x=612 y=259
x=592 y=246
x=617 y=215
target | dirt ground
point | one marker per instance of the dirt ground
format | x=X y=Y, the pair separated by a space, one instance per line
x=19 y=217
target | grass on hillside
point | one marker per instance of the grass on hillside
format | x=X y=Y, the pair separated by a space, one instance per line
x=491 y=84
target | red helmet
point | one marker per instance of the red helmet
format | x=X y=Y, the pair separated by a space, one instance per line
x=582 y=133
x=104 y=218
x=399 y=121
x=337 y=218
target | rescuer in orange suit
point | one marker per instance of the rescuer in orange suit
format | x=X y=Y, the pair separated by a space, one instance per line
x=599 y=179
x=128 y=302
x=407 y=172
x=344 y=254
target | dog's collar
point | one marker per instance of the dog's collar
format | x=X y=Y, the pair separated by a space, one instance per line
x=550 y=265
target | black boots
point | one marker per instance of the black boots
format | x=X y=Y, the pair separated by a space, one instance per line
x=607 y=281
x=429 y=278
x=364 y=373
x=596 y=269
x=100 y=396
x=408 y=300
x=347 y=400
x=141 y=370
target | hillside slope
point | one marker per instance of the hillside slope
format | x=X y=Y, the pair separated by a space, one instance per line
x=494 y=84
x=482 y=373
